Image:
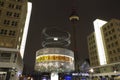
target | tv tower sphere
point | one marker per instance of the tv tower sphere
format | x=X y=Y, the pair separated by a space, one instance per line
x=74 y=16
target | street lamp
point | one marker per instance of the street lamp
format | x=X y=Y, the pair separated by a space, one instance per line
x=91 y=73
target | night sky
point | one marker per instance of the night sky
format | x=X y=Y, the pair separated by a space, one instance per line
x=51 y=13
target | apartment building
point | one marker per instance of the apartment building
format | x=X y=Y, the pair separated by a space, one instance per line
x=104 y=48
x=12 y=24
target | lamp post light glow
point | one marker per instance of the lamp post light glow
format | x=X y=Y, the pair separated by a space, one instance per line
x=91 y=70
x=55 y=38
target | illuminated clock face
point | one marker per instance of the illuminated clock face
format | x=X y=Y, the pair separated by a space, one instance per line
x=54 y=60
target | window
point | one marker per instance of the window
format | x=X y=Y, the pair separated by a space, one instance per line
x=114 y=36
x=11 y=5
x=1 y=3
x=116 y=43
x=111 y=38
x=7 y=22
x=105 y=29
x=108 y=26
x=20 y=0
x=18 y=7
x=0 y=12
x=117 y=24
x=16 y=15
x=106 y=34
x=112 y=44
x=5 y=32
x=109 y=46
x=118 y=49
x=9 y=13
x=113 y=30
x=14 y=23
x=119 y=35
x=118 y=29
x=111 y=24
x=2 y=31
x=107 y=40
x=110 y=52
x=14 y=59
x=5 y=54
x=110 y=32
x=111 y=59
x=114 y=51
x=12 y=33
x=116 y=59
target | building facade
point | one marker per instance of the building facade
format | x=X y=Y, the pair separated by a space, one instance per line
x=12 y=22
x=110 y=35
x=92 y=47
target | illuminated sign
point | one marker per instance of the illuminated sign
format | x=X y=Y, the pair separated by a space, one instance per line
x=42 y=58
x=80 y=74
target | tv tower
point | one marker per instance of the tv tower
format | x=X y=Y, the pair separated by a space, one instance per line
x=74 y=18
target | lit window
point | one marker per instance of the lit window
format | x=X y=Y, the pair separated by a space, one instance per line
x=19 y=39
x=18 y=46
x=55 y=38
